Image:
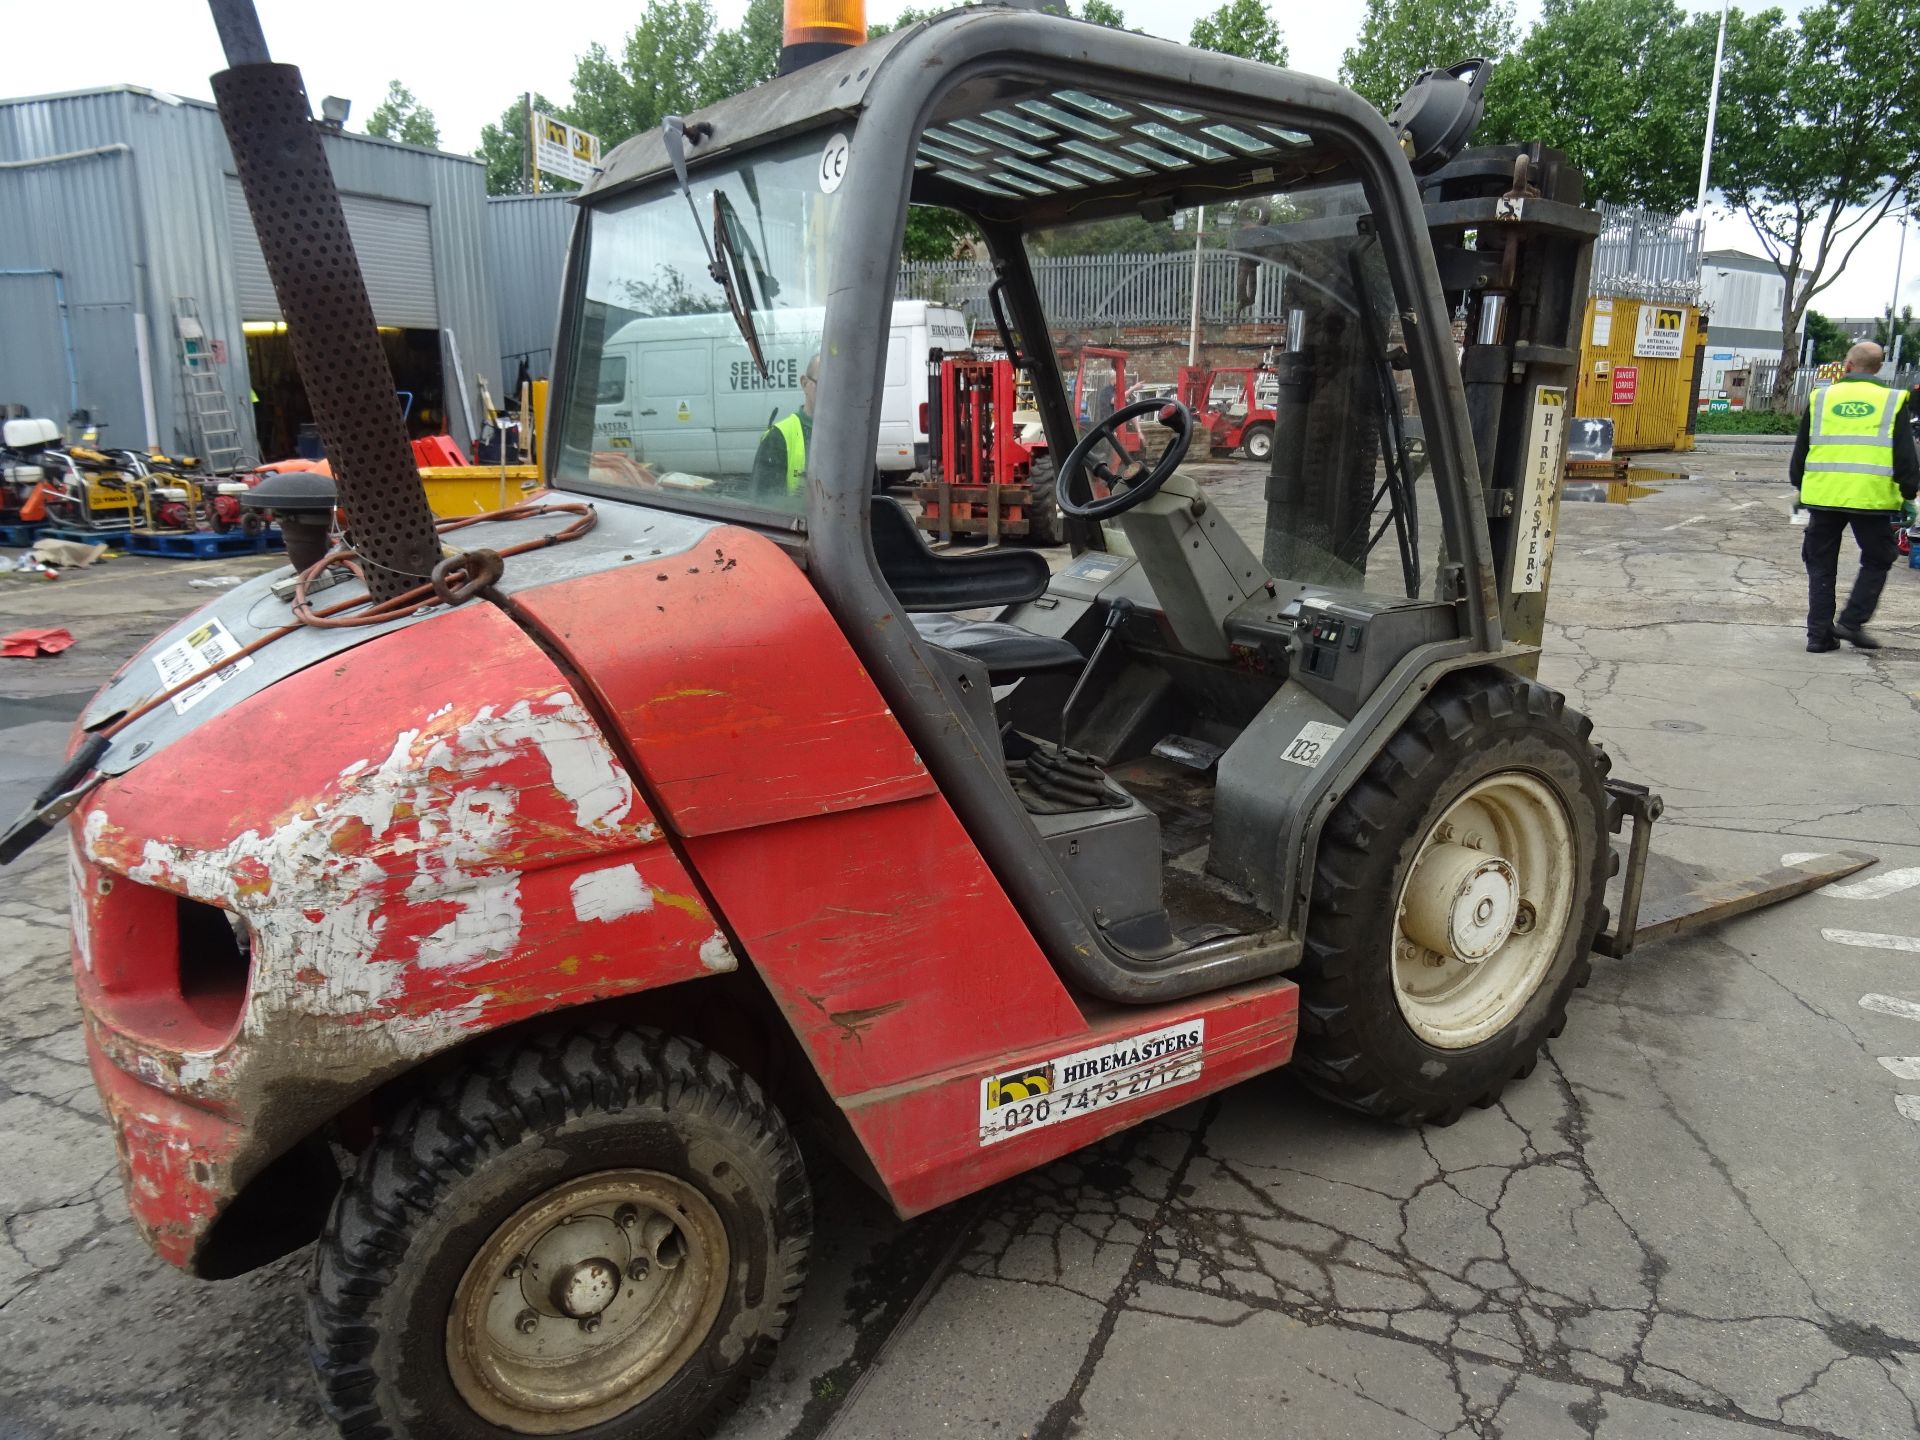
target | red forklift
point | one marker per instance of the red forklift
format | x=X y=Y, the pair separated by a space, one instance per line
x=989 y=477
x=551 y=865
x=1226 y=403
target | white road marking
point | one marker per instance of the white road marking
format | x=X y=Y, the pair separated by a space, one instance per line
x=1603 y=549
x=1868 y=940
x=1874 y=887
x=1908 y=1105
x=1904 y=1067
x=1748 y=504
x=1891 y=1005
x=1682 y=524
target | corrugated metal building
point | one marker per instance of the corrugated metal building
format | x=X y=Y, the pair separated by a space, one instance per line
x=123 y=212
x=527 y=239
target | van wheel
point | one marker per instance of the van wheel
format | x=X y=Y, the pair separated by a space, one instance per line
x=1043 y=514
x=599 y=1234
x=1258 y=442
x=1457 y=894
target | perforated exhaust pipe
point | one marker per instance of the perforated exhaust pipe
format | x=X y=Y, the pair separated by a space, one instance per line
x=316 y=277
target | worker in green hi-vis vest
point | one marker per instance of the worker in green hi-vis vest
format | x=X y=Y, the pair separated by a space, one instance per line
x=780 y=464
x=1855 y=467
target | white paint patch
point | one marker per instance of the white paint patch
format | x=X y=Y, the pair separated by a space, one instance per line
x=77 y=898
x=1800 y=857
x=1868 y=940
x=1903 y=1067
x=1874 y=887
x=717 y=955
x=1682 y=524
x=487 y=927
x=1908 y=1105
x=1891 y=1005
x=583 y=768
x=1749 y=504
x=611 y=894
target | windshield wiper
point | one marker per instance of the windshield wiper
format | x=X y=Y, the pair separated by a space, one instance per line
x=730 y=275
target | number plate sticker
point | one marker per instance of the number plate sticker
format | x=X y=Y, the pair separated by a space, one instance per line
x=1029 y=1097
x=1316 y=737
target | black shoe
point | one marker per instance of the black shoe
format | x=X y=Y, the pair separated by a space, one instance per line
x=1820 y=647
x=1855 y=636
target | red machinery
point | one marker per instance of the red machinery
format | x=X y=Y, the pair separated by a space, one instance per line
x=986 y=480
x=1242 y=421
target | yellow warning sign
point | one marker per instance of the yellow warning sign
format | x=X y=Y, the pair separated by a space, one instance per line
x=683 y=414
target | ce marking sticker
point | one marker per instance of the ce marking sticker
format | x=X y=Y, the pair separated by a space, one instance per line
x=833 y=164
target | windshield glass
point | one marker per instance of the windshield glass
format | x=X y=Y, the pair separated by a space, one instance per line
x=1273 y=318
x=670 y=390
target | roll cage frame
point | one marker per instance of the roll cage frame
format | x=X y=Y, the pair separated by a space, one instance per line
x=884 y=95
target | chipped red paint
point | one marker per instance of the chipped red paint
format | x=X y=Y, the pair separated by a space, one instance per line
x=454 y=848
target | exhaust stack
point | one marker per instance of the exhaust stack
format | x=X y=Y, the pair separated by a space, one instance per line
x=316 y=276
x=812 y=30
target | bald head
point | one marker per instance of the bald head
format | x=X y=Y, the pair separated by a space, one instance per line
x=1866 y=358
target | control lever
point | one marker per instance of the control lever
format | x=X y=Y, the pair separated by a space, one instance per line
x=1118 y=612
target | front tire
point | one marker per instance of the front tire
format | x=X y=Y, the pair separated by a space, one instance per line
x=1457 y=893
x=599 y=1234
x=1258 y=443
x=1043 y=511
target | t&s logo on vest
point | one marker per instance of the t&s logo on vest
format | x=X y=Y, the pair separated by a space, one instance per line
x=1067 y=1086
x=1853 y=409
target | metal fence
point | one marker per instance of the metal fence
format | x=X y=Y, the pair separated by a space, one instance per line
x=1805 y=377
x=1130 y=288
x=1647 y=255
x=1641 y=254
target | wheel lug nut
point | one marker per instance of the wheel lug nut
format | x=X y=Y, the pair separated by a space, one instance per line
x=590 y=1324
x=525 y=1321
x=638 y=1269
x=626 y=1217
x=513 y=1270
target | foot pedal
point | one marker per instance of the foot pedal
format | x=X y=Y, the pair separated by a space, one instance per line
x=1189 y=752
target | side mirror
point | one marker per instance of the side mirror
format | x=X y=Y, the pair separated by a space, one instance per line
x=1434 y=118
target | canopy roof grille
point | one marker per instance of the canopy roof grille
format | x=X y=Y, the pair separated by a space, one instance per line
x=1069 y=140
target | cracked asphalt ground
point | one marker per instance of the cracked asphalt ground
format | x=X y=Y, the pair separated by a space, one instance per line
x=1697 y=1218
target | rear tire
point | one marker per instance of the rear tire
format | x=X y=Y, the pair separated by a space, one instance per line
x=1258 y=443
x=1393 y=1028
x=448 y=1302
x=1043 y=512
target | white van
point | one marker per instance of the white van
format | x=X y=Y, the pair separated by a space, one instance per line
x=680 y=392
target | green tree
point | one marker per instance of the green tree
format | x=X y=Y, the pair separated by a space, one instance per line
x=1633 y=129
x=1830 y=341
x=1819 y=138
x=403 y=118
x=1906 y=329
x=659 y=72
x=1241 y=27
x=1101 y=12
x=1400 y=38
x=743 y=57
x=503 y=146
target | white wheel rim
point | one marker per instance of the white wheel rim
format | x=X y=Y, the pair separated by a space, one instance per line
x=1483 y=910
x=1260 y=446
x=587 y=1300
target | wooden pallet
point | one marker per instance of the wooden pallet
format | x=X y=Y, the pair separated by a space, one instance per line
x=973 y=510
x=1614 y=469
x=199 y=544
x=117 y=539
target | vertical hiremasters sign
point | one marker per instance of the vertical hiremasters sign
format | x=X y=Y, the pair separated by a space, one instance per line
x=1546 y=440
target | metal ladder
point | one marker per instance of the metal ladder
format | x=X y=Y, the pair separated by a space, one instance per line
x=212 y=413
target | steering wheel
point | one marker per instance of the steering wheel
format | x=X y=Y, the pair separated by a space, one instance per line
x=1133 y=481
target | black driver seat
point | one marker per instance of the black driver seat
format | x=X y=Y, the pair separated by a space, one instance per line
x=930 y=586
x=1007 y=651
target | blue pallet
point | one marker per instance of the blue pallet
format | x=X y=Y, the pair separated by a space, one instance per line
x=199 y=544
x=20 y=536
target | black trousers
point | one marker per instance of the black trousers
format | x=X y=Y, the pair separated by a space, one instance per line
x=1873 y=532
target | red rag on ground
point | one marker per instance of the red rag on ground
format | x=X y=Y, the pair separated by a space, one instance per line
x=26 y=644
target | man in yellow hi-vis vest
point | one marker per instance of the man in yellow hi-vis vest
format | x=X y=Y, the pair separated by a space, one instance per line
x=780 y=464
x=1853 y=465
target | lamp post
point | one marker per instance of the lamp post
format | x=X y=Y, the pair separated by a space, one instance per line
x=1713 y=110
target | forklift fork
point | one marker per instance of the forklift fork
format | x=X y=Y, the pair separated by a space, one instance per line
x=1706 y=902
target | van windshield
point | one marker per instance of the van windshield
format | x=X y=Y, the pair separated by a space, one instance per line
x=663 y=393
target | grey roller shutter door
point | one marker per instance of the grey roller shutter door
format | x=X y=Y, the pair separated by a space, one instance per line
x=392 y=240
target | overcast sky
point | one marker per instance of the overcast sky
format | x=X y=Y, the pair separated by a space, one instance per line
x=466 y=61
